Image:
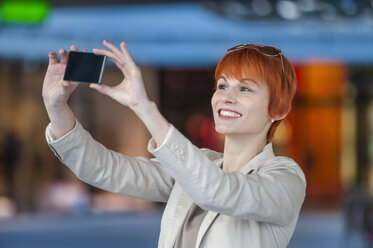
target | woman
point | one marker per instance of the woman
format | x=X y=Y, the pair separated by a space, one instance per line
x=245 y=197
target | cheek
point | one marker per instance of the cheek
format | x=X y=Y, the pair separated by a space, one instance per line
x=263 y=111
x=213 y=101
x=258 y=111
x=263 y=108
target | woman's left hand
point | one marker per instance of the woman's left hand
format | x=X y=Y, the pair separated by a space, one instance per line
x=131 y=91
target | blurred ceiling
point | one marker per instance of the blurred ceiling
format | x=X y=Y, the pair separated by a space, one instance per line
x=286 y=9
x=192 y=34
x=114 y=2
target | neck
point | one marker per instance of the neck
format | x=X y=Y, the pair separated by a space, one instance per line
x=239 y=150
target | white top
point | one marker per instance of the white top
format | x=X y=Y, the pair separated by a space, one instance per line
x=256 y=207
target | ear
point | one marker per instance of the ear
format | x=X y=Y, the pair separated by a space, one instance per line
x=278 y=117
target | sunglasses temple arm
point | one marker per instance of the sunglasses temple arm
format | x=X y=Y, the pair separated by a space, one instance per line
x=282 y=64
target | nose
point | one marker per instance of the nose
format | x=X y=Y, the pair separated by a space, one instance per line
x=228 y=97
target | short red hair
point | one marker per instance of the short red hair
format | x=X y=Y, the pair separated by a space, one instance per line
x=249 y=62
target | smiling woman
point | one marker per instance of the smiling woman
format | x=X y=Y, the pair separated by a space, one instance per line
x=241 y=109
x=245 y=195
x=251 y=67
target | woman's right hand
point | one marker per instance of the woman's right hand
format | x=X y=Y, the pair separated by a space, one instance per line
x=56 y=91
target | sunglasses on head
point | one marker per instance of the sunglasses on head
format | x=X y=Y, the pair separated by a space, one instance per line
x=265 y=50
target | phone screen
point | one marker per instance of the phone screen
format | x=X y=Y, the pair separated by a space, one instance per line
x=85 y=67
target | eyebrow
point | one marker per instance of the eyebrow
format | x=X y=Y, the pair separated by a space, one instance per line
x=244 y=79
x=249 y=79
x=222 y=78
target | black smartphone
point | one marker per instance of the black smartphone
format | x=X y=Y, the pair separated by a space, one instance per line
x=84 y=67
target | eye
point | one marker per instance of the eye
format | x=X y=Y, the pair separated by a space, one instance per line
x=222 y=86
x=245 y=89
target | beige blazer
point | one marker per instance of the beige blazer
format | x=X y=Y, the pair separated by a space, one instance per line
x=257 y=207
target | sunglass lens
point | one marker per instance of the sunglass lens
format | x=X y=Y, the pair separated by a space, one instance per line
x=268 y=50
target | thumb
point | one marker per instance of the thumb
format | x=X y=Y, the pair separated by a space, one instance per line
x=104 y=89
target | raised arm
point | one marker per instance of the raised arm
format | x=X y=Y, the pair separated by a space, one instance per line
x=93 y=163
x=273 y=193
x=89 y=160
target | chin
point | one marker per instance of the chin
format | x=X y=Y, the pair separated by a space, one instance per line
x=223 y=130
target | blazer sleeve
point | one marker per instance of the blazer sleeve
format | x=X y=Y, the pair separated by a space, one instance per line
x=137 y=177
x=268 y=195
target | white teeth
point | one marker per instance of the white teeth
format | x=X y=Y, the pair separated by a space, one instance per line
x=229 y=113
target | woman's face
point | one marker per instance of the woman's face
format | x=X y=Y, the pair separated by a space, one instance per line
x=240 y=107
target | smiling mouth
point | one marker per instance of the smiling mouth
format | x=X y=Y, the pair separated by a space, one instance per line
x=229 y=114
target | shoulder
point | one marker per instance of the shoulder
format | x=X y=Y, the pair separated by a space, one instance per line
x=284 y=164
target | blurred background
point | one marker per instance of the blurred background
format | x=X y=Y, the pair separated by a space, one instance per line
x=177 y=44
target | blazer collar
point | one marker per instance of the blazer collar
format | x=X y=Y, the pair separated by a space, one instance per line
x=265 y=154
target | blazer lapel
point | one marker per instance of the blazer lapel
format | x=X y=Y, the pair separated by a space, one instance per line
x=206 y=223
x=184 y=203
x=210 y=216
x=267 y=153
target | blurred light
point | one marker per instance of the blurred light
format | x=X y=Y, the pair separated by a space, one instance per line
x=7 y=207
x=306 y=5
x=284 y=133
x=24 y=11
x=287 y=10
x=328 y=11
x=234 y=8
x=367 y=16
x=292 y=9
x=194 y=125
x=261 y=7
x=348 y=7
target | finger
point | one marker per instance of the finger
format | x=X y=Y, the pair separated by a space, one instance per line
x=110 y=55
x=120 y=66
x=104 y=89
x=107 y=53
x=53 y=59
x=113 y=48
x=73 y=48
x=126 y=53
x=64 y=56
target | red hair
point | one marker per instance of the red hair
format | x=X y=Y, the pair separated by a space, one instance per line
x=249 y=62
